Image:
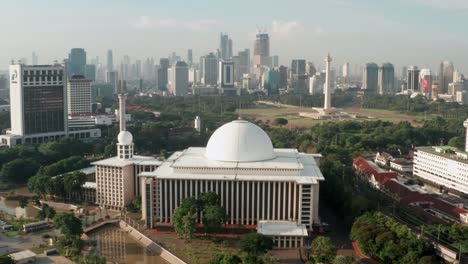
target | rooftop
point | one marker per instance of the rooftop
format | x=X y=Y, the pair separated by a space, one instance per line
x=281 y=228
x=446 y=152
x=136 y=160
x=22 y=255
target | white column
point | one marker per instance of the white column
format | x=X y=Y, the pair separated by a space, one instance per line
x=273 y=208
x=268 y=202
x=176 y=193
x=249 y=202
x=237 y=203
x=285 y=193
x=279 y=201
x=186 y=189
x=263 y=201
x=166 y=208
x=258 y=202
x=242 y=207
x=170 y=200
x=289 y=200
x=159 y=182
x=191 y=187
x=295 y=202
x=232 y=201
x=196 y=188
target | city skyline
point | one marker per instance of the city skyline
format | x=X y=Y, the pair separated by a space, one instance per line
x=402 y=32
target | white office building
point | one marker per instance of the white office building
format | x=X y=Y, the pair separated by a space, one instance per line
x=254 y=181
x=178 y=79
x=38 y=103
x=443 y=166
x=79 y=96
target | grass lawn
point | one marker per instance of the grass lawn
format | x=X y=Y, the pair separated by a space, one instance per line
x=40 y=249
x=12 y=233
x=269 y=114
x=198 y=250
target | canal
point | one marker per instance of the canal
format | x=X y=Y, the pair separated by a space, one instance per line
x=119 y=247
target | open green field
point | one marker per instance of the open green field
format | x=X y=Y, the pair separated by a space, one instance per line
x=270 y=113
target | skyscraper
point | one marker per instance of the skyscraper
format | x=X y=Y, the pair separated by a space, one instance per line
x=162 y=74
x=425 y=82
x=178 y=79
x=262 y=49
x=34 y=58
x=345 y=70
x=298 y=67
x=386 y=79
x=110 y=60
x=226 y=77
x=90 y=72
x=413 y=78
x=445 y=75
x=225 y=47
x=189 y=57
x=76 y=62
x=271 y=81
x=112 y=77
x=209 y=69
x=274 y=61
x=78 y=95
x=370 y=78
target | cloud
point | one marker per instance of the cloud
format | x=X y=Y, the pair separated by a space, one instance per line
x=148 y=22
x=285 y=28
x=453 y=5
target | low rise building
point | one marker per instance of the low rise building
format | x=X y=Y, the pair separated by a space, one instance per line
x=383 y=158
x=285 y=234
x=402 y=165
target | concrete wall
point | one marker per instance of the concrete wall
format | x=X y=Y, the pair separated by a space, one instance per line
x=148 y=243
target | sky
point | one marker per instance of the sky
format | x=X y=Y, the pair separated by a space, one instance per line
x=403 y=32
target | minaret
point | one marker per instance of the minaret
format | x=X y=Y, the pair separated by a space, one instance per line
x=327 y=103
x=125 y=138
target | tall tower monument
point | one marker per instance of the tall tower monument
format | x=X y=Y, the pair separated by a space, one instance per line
x=125 y=138
x=327 y=92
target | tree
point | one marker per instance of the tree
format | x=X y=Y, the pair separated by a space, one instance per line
x=38 y=184
x=280 y=121
x=92 y=259
x=255 y=244
x=23 y=202
x=225 y=258
x=68 y=224
x=18 y=170
x=5 y=259
x=69 y=246
x=344 y=260
x=323 y=250
x=208 y=199
x=184 y=217
x=46 y=212
x=213 y=217
x=73 y=182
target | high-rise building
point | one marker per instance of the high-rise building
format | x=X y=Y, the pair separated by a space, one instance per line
x=178 y=79
x=425 y=82
x=262 y=49
x=345 y=70
x=225 y=47
x=413 y=79
x=298 y=67
x=404 y=72
x=274 y=61
x=226 y=77
x=189 y=57
x=110 y=61
x=386 y=79
x=112 y=77
x=162 y=74
x=370 y=78
x=310 y=69
x=78 y=95
x=90 y=72
x=283 y=71
x=209 y=69
x=76 y=62
x=271 y=82
x=316 y=83
x=244 y=61
x=34 y=58
x=445 y=75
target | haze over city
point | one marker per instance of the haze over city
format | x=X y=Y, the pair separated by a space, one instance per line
x=403 y=32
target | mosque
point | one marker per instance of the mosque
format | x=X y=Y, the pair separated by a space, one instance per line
x=275 y=190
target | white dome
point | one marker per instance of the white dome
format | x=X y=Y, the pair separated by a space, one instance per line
x=125 y=138
x=239 y=141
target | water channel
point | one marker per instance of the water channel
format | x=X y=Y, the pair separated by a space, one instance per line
x=119 y=247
